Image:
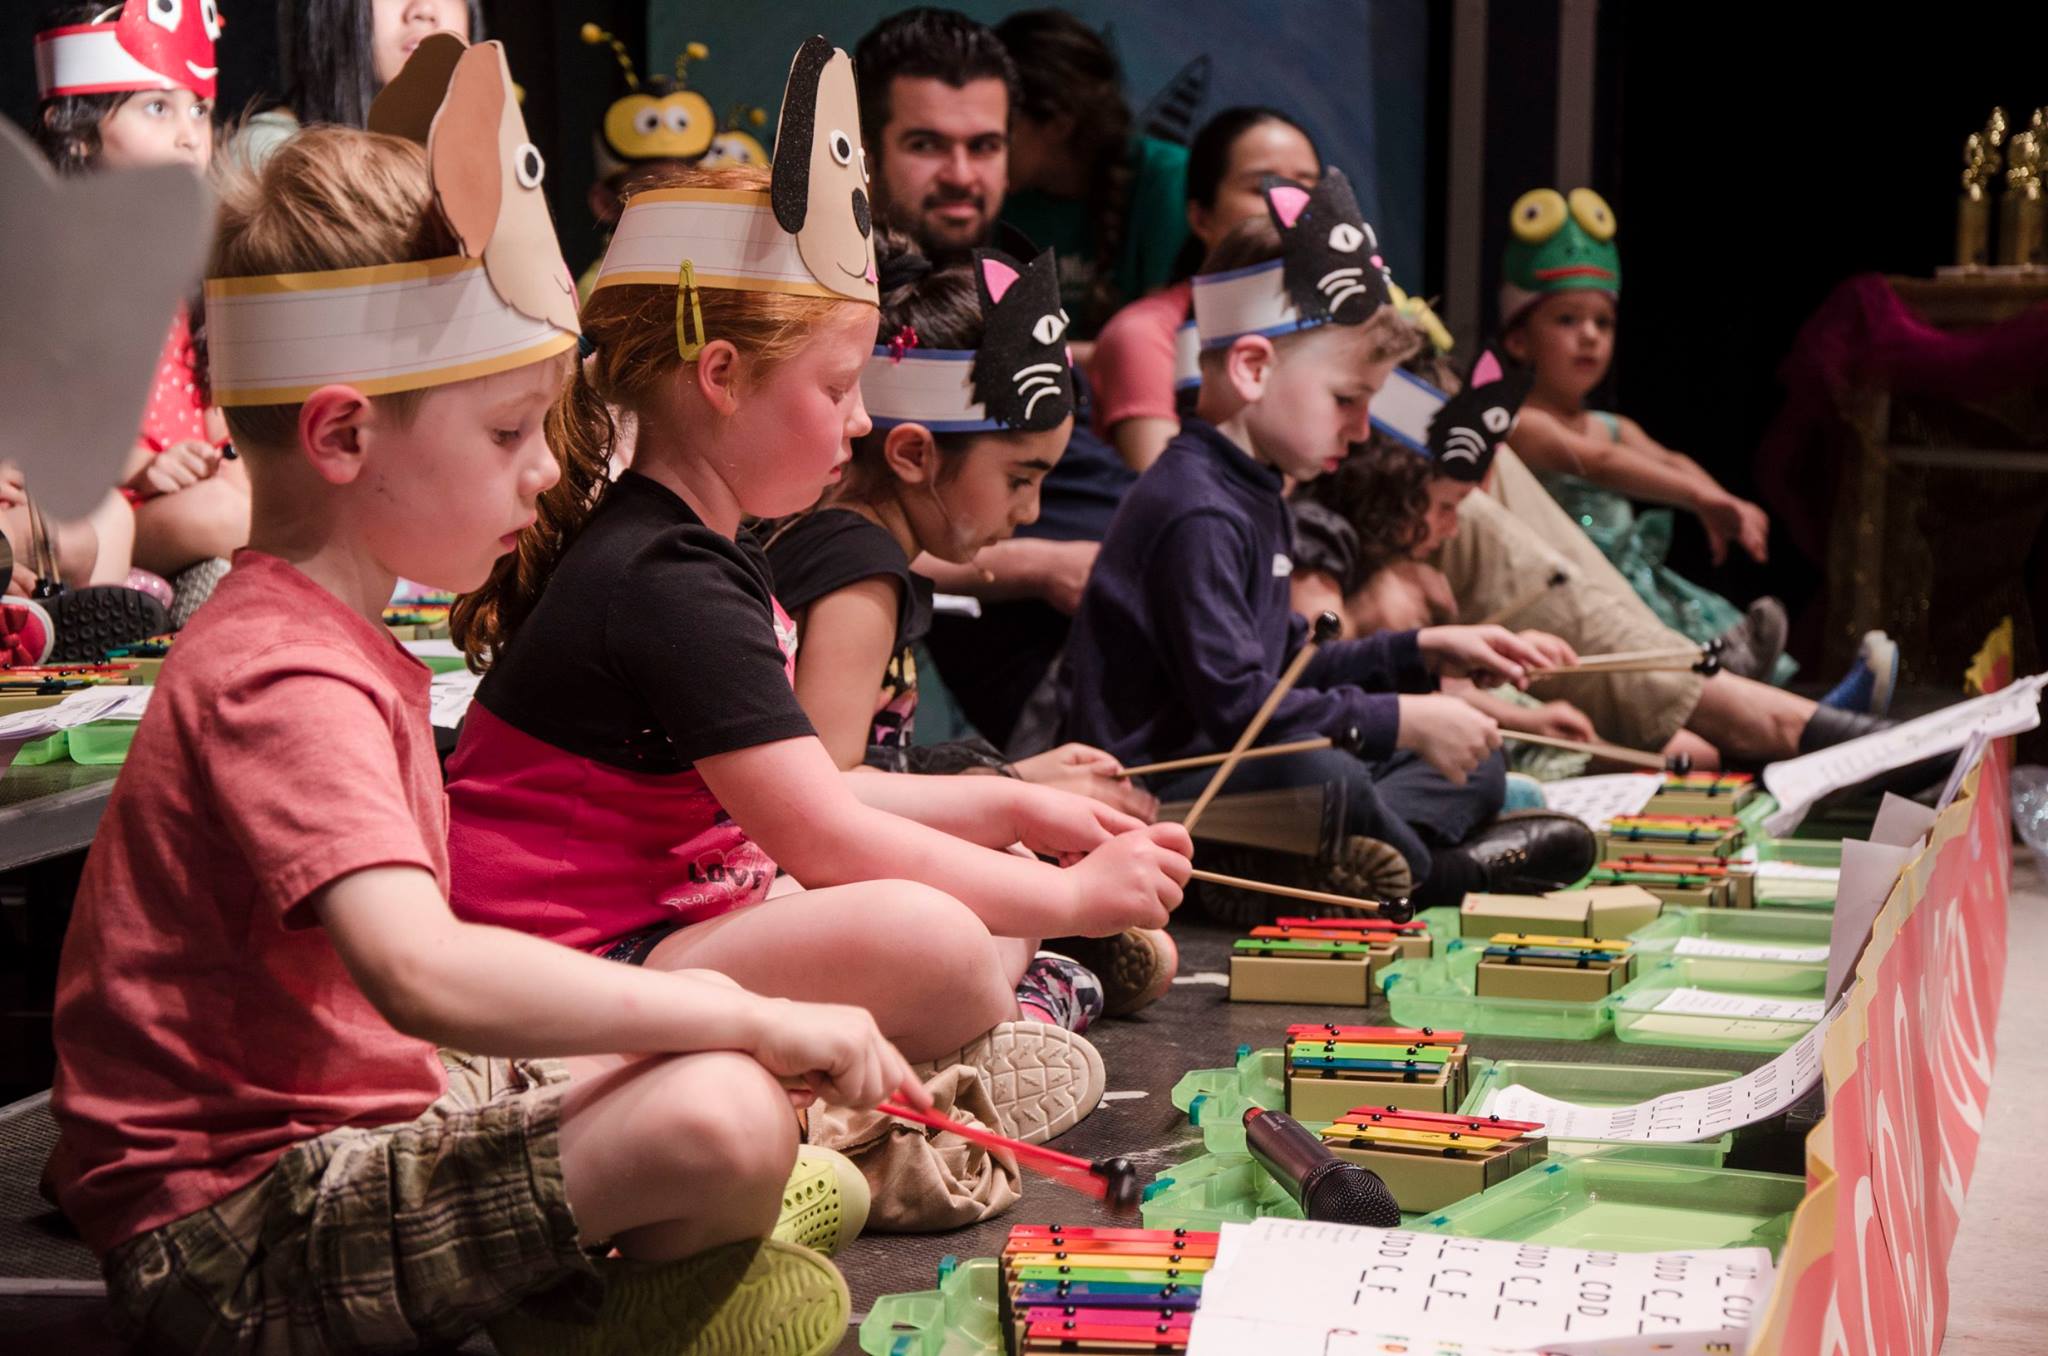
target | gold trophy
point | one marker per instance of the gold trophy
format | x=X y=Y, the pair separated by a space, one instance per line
x=2023 y=213
x=1981 y=163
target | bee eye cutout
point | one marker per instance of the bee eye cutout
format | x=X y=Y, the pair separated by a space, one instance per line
x=528 y=165
x=1049 y=328
x=647 y=121
x=676 y=118
x=1345 y=238
x=842 y=147
x=1496 y=420
x=1537 y=215
x=1592 y=213
x=167 y=14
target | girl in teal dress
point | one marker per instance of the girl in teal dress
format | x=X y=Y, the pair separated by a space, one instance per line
x=1561 y=283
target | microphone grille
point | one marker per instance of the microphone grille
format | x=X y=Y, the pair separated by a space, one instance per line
x=1351 y=1194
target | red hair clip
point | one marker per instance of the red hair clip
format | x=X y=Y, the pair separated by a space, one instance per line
x=901 y=342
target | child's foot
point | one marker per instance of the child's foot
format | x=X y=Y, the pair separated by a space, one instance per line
x=1136 y=966
x=1750 y=648
x=27 y=634
x=1059 y=992
x=1044 y=1080
x=193 y=586
x=765 y=1298
x=825 y=1205
x=93 y=620
x=1867 y=687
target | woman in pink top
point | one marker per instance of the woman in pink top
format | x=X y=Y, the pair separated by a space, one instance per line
x=1136 y=368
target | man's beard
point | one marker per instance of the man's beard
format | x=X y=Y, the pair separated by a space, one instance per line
x=941 y=249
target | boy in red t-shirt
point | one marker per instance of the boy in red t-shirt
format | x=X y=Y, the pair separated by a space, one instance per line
x=258 y=1135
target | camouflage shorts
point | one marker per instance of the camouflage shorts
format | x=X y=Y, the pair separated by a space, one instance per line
x=371 y=1240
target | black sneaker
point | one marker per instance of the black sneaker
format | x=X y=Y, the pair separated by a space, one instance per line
x=1750 y=648
x=91 y=621
x=1527 y=852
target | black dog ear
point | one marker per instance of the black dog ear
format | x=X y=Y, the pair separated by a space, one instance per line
x=789 y=183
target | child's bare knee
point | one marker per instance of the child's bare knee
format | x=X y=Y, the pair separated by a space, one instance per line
x=727 y=1112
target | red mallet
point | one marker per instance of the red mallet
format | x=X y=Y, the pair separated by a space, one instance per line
x=1112 y=1181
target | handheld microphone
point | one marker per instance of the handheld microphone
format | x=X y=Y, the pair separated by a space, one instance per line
x=1325 y=1186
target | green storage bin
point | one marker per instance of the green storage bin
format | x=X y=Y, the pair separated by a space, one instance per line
x=960 y=1318
x=53 y=749
x=1213 y=1189
x=1216 y=1099
x=1618 y=1205
x=1605 y=1085
x=103 y=742
x=1787 y=929
x=1637 y=1020
x=1440 y=992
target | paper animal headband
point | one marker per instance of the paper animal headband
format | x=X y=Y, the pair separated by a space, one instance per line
x=1559 y=244
x=1330 y=270
x=656 y=119
x=1019 y=379
x=154 y=44
x=1459 y=433
x=811 y=233
x=507 y=300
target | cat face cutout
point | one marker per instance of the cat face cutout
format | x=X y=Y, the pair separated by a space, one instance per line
x=1022 y=375
x=1473 y=424
x=1332 y=267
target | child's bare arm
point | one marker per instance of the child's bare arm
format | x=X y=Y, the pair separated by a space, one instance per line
x=997 y=811
x=847 y=637
x=493 y=991
x=1547 y=445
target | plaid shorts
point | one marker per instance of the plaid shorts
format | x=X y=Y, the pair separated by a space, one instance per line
x=389 y=1239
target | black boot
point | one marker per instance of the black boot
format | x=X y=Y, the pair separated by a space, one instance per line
x=1829 y=726
x=1524 y=852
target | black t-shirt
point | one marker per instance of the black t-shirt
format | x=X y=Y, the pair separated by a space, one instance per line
x=832 y=548
x=655 y=643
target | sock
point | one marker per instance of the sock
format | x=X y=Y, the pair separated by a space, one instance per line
x=1064 y=991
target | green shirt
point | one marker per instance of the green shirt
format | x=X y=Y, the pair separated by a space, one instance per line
x=1155 y=228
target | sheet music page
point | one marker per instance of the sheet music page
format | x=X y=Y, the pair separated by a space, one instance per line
x=1799 y=782
x=1716 y=1003
x=1304 y=1288
x=450 y=696
x=78 y=708
x=1677 y=1117
x=1706 y=946
x=1599 y=799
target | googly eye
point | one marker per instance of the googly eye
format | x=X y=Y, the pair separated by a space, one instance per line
x=842 y=146
x=1537 y=215
x=676 y=118
x=1592 y=213
x=167 y=14
x=1496 y=420
x=528 y=165
x=864 y=165
x=209 y=14
x=647 y=121
x=1346 y=238
x=1049 y=328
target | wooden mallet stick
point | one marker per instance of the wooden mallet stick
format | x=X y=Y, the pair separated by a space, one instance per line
x=1393 y=910
x=1558 y=579
x=1350 y=743
x=1678 y=763
x=1324 y=629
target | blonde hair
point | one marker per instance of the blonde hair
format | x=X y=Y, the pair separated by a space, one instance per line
x=1256 y=240
x=632 y=329
x=329 y=198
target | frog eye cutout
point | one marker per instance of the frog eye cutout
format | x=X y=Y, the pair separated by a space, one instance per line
x=1592 y=213
x=1538 y=215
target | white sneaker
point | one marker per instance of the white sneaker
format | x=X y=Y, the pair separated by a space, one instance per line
x=1044 y=1080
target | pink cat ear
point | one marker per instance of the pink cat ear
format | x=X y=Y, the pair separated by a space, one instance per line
x=1288 y=202
x=1487 y=371
x=997 y=277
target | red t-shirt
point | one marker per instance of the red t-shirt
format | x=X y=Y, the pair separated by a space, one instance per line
x=204 y=1021
x=1135 y=367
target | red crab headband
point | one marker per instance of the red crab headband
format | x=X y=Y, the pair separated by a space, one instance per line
x=139 y=45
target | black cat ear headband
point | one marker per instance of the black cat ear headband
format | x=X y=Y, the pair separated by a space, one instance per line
x=1019 y=379
x=1330 y=271
x=1459 y=433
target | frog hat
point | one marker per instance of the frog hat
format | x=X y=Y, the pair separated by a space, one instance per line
x=1560 y=244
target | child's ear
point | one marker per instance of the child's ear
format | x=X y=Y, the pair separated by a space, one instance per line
x=1247 y=365
x=330 y=432
x=717 y=374
x=910 y=454
x=1516 y=344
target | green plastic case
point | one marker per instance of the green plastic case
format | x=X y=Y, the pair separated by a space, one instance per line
x=1440 y=993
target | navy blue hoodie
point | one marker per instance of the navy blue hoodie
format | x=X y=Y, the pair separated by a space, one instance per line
x=1186 y=625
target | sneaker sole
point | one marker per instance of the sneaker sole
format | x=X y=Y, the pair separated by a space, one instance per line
x=91 y=621
x=1366 y=868
x=825 y=1205
x=1044 y=1080
x=746 y=1299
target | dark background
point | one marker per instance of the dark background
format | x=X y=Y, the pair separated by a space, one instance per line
x=1753 y=164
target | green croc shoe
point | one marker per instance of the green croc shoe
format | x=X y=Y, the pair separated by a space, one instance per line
x=825 y=1205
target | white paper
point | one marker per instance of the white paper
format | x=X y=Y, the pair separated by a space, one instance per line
x=1690 y=1002
x=955 y=605
x=1304 y=1288
x=1901 y=822
x=1799 y=782
x=1707 y=946
x=1595 y=800
x=1869 y=870
x=1677 y=1117
x=1972 y=751
x=431 y=649
x=450 y=696
x=78 y=708
x=1794 y=871
x=1278 y=1337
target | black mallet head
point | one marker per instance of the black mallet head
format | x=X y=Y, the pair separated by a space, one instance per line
x=1325 y=628
x=1397 y=910
x=1120 y=1181
x=1678 y=764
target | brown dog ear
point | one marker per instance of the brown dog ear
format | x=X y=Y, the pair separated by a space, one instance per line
x=789 y=183
x=462 y=149
x=406 y=107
